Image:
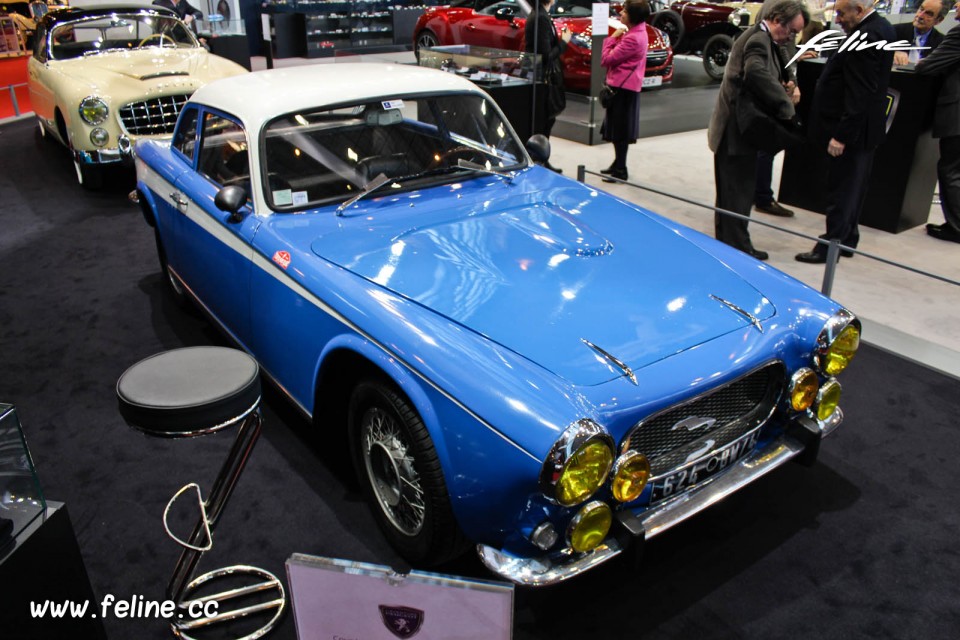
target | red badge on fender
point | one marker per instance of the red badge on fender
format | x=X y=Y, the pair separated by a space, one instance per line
x=282 y=258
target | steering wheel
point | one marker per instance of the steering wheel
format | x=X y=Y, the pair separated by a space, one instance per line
x=158 y=36
x=463 y=151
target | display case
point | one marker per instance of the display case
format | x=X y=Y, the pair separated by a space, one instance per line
x=10 y=44
x=343 y=25
x=21 y=499
x=486 y=67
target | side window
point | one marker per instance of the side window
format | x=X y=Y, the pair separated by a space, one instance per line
x=223 y=152
x=185 y=140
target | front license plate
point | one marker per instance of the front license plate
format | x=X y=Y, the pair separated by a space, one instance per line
x=704 y=468
x=652 y=81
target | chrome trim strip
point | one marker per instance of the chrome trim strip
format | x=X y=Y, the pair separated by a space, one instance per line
x=619 y=364
x=541 y=572
x=746 y=314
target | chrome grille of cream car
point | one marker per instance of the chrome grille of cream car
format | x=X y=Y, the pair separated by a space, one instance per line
x=715 y=419
x=154 y=117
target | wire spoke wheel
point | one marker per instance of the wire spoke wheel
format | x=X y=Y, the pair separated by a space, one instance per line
x=390 y=468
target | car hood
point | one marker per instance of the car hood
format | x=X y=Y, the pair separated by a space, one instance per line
x=152 y=66
x=549 y=280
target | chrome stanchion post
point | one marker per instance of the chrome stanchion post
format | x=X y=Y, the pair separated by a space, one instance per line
x=830 y=269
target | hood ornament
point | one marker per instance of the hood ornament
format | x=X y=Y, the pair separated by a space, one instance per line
x=752 y=319
x=619 y=364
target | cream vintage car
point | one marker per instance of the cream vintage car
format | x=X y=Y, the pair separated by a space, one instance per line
x=102 y=77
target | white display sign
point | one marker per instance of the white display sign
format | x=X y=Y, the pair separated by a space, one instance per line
x=341 y=599
x=265 y=27
x=601 y=18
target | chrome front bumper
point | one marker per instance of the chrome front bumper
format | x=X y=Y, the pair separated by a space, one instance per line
x=105 y=156
x=565 y=564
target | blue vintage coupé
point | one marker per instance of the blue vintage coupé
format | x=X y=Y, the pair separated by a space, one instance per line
x=519 y=361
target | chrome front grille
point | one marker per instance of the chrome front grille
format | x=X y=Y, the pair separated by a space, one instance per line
x=656 y=59
x=710 y=421
x=153 y=117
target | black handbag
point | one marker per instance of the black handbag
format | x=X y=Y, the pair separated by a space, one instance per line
x=607 y=94
x=762 y=130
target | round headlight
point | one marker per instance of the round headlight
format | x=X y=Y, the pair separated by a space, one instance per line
x=578 y=463
x=630 y=475
x=839 y=354
x=590 y=526
x=584 y=473
x=828 y=399
x=99 y=136
x=93 y=110
x=803 y=389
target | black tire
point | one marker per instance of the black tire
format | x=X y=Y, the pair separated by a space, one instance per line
x=401 y=477
x=716 y=52
x=425 y=38
x=670 y=22
x=171 y=284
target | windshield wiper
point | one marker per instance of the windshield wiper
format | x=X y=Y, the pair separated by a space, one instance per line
x=473 y=166
x=372 y=186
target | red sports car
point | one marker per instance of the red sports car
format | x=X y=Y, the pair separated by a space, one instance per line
x=500 y=24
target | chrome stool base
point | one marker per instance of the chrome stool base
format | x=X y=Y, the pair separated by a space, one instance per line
x=267 y=584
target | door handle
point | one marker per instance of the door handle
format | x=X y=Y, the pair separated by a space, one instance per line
x=471 y=27
x=180 y=201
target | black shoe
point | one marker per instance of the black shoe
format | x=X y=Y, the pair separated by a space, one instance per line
x=759 y=255
x=608 y=170
x=846 y=254
x=812 y=257
x=619 y=174
x=547 y=165
x=774 y=209
x=943 y=232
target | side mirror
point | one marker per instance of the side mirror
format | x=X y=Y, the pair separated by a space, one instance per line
x=538 y=146
x=505 y=13
x=230 y=199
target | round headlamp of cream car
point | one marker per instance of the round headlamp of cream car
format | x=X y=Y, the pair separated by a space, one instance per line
x=93 y=110
x=837 y=343
x=578 y=464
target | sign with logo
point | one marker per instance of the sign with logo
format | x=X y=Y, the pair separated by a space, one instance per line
x=334 y=598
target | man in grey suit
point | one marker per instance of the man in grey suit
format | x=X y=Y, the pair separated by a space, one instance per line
x=756 y=65
x=921 y=31
x=945 y=62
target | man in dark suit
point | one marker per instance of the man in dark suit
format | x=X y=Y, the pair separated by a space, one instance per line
x=184 y=10
x=755 y=63
x=848 y=121
x=921 y=31
x=945 y=62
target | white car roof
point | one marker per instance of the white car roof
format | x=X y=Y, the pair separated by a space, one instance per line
x=262 y=95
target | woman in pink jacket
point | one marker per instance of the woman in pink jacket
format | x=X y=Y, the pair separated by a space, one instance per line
x=625 y=59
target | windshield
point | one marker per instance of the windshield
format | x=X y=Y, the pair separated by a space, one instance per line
x=117 y=31
x=331 y=155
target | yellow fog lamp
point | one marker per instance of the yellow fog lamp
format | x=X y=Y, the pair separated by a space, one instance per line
x=590 y=526
x=578 y=464
x=630 y=475
x=838 y=343
x=584 y=473
x=828 y=399
x=803 y=389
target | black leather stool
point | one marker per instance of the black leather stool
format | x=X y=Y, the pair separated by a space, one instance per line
x=193 y=392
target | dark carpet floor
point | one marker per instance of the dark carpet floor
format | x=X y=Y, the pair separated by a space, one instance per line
x=862 y=545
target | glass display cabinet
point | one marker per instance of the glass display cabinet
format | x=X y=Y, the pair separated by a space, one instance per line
x=485 y=66
x=21 y=499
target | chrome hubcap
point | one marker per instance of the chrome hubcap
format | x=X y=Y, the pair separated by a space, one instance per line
x=389 y=466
